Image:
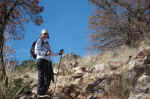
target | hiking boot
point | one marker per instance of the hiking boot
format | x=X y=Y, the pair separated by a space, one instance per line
x=43 y=96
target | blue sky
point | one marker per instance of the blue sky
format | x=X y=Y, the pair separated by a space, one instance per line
x=67 y=23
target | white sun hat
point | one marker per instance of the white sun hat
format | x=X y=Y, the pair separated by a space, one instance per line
x=44 y=31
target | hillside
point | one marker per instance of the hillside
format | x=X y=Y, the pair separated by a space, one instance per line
x=109 y=75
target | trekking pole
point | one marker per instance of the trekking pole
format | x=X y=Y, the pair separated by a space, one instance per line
x=57 y=72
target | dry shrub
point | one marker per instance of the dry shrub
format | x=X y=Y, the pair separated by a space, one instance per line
x=112 y=96
x=121 y=54
x=119 y=88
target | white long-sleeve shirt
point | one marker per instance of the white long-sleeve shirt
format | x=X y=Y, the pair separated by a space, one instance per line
x=41 y=49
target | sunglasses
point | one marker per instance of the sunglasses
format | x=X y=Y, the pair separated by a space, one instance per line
x=45 y=34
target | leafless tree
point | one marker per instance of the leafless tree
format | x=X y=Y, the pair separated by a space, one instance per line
x=118 y=22
x=13 y=15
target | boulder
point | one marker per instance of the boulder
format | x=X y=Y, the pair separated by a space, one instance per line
x=72 y=91
x=140 y=96
x=143 y=84
x=114 y=65
x=100 y=68
x=78 y=75
x=94 y=87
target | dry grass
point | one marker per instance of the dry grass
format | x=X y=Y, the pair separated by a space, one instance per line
x=112 y=96
x=121 y=54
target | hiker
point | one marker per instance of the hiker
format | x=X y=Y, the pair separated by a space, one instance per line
x=44 y=64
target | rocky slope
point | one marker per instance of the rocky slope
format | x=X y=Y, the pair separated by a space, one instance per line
x=93 y=78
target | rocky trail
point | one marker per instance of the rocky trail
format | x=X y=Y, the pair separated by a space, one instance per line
x=90 y=78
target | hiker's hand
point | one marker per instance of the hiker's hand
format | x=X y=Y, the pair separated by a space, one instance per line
x=61 y=51
x=48 y=53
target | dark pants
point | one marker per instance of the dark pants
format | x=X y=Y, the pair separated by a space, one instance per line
x=45 y=75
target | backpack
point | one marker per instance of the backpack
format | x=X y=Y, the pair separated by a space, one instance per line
x=32 y=50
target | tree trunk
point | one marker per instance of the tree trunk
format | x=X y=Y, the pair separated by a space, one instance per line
x=3 y=76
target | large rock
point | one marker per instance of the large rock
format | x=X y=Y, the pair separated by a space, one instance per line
x=78 y=75
x=143 y=83
x=140 y=96
x=139 y=75
x=72 y=91
x=100 y=68
x=142 y=57
x=95 y=86
x=80 y=70
x=114 y=65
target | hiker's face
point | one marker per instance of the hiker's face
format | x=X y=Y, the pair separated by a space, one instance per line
x=45 y=36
